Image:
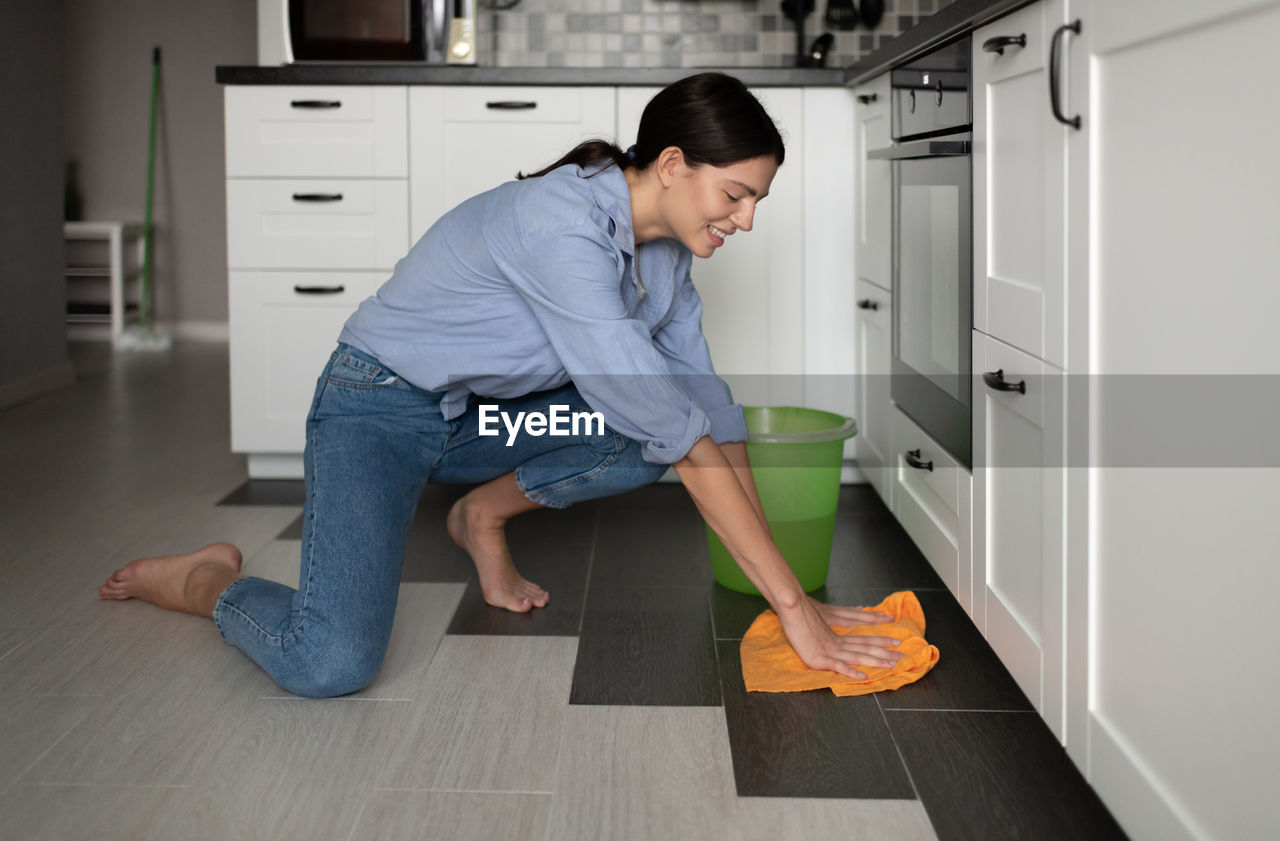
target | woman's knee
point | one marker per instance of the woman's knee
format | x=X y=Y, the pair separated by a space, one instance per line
x=333 y=669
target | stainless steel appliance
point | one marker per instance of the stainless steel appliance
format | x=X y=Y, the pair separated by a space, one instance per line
x=428 y=31
x=933 y=245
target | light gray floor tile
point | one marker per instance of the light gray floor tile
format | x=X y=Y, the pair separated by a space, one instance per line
x=11 y=638
x=488 y=717
x=823 y=819
x=644 y=772
x=163 y=727
x=85 y=813
x=29 y=727
x=277 y=561
x=452 y=816
x=292 y=769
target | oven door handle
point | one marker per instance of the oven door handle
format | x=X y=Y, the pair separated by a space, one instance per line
x=922 y=149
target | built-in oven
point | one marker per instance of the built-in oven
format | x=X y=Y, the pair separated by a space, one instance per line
x=933 y=245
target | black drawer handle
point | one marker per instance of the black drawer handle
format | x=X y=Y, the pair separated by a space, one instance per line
x=913 y=459
x=511 y=105
x=997 y=381
x=867 y=98
x=317 y=196
x=319 y=290
x=996 y=45
x=868 y=304
x=316 y=103
x=1074 y=122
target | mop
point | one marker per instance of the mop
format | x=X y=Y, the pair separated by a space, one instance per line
x=142 y=336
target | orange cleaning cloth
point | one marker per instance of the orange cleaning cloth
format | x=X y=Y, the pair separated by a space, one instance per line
x=769 y=664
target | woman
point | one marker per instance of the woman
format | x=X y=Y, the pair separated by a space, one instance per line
x=533 y=295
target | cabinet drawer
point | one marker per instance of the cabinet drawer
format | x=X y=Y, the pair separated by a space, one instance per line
x=316 y=224
x=932 y=505
x=875 y=179
x=874 y=441
x=514 y=104
x=282 y=338
x=344 y=131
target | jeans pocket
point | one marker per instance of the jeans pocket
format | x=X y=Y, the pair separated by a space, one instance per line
x=352 y=369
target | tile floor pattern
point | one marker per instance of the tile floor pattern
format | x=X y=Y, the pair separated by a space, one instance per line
x=616 y=713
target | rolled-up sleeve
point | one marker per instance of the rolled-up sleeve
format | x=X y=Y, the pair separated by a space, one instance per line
x=570 y=276
x=681 y=343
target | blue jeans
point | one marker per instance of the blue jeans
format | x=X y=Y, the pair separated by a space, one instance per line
x=373 y=441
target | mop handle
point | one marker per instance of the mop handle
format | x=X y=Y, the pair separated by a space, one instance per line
x=144 y=314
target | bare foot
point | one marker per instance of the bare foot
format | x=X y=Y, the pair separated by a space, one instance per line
x=189 y=583
x=486 y=543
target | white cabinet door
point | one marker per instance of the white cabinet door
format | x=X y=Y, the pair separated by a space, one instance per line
x=1018 y=499
x=873 y=184
x=872 y=409
x=1019 y=172
x=753 y=288
x=468 y=139
x=284 y=326
x=1184 y=290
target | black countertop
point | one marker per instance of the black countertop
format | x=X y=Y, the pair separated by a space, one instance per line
x=950 y=22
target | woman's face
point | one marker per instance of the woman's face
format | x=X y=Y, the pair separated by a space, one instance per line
x=707 y=204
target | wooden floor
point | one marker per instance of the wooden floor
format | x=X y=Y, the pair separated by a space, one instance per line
x=616 y=713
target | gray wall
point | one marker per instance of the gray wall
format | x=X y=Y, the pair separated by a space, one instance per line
x=107 y=49
x=32 y=297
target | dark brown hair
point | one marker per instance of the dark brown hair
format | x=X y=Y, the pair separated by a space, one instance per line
x=711 y=117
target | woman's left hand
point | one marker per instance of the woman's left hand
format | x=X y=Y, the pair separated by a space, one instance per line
x=845 y=617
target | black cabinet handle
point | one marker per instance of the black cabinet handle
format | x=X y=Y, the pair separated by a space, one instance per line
x=319 y=290
x=996 y=380
x=913 y=459
x=511 y=105
x=1074 y=122
x=868 y=304
x=317 y=196
x=996 y=45
x=316 y=103
x=867 y=98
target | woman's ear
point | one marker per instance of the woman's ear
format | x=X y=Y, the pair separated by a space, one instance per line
x=670 y=162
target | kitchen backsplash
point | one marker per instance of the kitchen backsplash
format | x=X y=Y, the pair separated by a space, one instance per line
x=674 y=33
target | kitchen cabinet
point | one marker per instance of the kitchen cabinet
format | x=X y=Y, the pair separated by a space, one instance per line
x=873 y=183
x=871 y=387
x=1125 y=267
x=932 y=499
x=1183 y=254
x=317 y=216
x=468 y=139
x=1021 y=171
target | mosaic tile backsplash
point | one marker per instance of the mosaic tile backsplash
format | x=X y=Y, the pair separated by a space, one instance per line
x=674 y=33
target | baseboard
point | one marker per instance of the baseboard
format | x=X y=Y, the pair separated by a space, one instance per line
x=25 y=388
x=200 y=331
x=1131 y=791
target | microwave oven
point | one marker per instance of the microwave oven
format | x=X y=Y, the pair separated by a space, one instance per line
x=427 y=31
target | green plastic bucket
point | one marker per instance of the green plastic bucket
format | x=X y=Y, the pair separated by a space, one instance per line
x=795 y=459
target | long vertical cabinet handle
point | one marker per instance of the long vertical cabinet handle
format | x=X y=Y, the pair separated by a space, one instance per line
x=1074 y=122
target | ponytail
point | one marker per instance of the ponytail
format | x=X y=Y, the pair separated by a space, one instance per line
x=586 y=154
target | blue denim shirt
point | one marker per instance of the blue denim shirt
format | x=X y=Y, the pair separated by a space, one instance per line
x=533 y=284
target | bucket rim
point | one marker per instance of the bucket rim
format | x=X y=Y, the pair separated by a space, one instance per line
x=846 y=429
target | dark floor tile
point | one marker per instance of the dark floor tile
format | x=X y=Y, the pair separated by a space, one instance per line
x=552 y=549
x=860 y=499
x=652 y=537
x=267 y=492
x=732 y=613
x=807 y=744
x=649 y=646
x=293 y=531
x=873 y=551
x=967 y=676
x=430 y=554
x=984 y=775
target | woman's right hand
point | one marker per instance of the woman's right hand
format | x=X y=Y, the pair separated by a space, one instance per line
x=822 y=648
